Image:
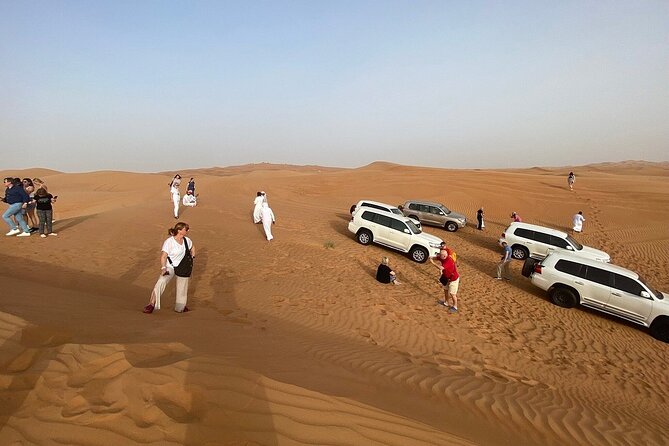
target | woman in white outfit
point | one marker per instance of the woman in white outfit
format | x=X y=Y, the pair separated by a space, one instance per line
x=257 y=206
x=174 y=193
x=174 y=248
x=267 y=220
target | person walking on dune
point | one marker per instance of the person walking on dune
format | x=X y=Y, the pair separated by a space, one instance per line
x=267 y=217
x=515 y=217
x=571 y=179
x=577 y=222
x=176 y=260
x=174 y=193
x=257 y=206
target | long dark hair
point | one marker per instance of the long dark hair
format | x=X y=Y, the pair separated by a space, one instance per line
x=178 y=227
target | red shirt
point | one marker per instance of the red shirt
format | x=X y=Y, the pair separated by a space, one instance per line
x=450 y=272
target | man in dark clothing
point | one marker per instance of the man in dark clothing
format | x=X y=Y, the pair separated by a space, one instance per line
x=17 y=198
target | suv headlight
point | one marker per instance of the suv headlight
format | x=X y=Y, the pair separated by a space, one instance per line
x=435 y=245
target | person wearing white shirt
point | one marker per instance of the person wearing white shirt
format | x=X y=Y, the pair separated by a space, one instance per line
x=578 y=222
x=257 y=206
x=268 y=220
x=189 y=199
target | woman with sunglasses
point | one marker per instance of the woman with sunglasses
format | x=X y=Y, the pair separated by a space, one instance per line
x=175 y=250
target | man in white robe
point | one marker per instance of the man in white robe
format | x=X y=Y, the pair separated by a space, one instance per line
x=268 y=220
x=189 y=199
x=257 y=206
x=578 y=221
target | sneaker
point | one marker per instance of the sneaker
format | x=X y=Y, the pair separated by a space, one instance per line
x=498 y=278
x=452 y=310
x=148 y=309
x=43 y=235
x=34 y=229
x=185 y=310
x=24 y=234
x=13 y=232
x=52 y=233
x=442 y=303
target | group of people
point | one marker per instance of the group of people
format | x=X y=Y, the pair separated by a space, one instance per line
x=28 y=199
x=189 y=199
x=262 y=213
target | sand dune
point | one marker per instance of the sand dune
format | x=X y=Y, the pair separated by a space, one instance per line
x=294 y=342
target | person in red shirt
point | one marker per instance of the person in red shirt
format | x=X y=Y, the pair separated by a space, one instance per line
x=449 y=279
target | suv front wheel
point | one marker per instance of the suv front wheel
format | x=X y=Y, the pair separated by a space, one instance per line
x=451 y=226
x=364 y=237
x=563 y=297
x=519 y=252
x=418 y=254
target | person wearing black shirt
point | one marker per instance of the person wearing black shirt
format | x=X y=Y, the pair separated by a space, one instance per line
x=386 y=275
x=45 y=211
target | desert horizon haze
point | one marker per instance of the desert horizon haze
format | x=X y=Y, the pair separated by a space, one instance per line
x=294 y=342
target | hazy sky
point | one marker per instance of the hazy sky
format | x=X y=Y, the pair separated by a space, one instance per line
x=162 y=85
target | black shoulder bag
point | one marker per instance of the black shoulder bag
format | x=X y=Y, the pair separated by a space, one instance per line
x=185 y=267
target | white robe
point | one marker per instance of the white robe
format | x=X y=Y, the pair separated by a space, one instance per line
x=578 y=222
x=175 y=199
x=257 y=208
x=267 y=219
x=189 y=200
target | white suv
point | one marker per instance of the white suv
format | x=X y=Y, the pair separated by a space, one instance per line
x=571 y=279
x=382 y=207
x=395 y=231
x=528 y=240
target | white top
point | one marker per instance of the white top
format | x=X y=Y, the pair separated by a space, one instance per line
x=258 y=200
x=578 y=220
x=175 y=251
x=189 y=199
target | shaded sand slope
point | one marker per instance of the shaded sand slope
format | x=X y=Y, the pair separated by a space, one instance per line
x=293 y=343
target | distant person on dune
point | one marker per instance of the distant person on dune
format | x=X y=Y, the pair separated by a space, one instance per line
x=267 y=217
x=577 y=222
x=480 y=224
x=571 y=179
x=189 y=199
x=515 y=217
x=191 y=186
x=176 y=260
x=174 y=193
x=257 y=206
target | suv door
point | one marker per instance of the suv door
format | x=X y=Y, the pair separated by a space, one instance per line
x=437 y=216
x=382 y=233
x=400 y=235
x=596 y=285
x=542 y=243
x=626 y=300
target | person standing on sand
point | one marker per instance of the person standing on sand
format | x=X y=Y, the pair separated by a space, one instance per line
x=174 y=193
x=577 y=222
x=191 y=186
x=479 y=218
x=43 y=201
x=571 y=179
x=515 y=217
x=175 y=250
x=257 y=206
x=17 y=198
x=449 y=279
x=267 y=217
x=503 y=266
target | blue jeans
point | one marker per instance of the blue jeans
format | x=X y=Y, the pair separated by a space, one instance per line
x=15 y=210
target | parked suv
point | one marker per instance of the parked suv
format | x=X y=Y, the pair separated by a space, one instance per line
x=380 y=206
x=570 y=279
x=436 y=214
x=528 y=240
x=395 y=231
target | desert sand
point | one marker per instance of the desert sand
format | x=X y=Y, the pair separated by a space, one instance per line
x=294 y=342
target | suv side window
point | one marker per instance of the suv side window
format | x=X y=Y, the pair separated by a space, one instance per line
x=374 y=206
x=414 y=206
x=369 y=216
x=627 y=285
x=397 y=225
x=525 y=233
x=423 y=208
x=598 y=275
x=569 y=267
x=559 y=242
x=435 y=211
x=541 y=237
x=382 y=220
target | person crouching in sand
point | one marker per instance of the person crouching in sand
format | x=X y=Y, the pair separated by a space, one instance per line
x=176 y=259
x=386 y=275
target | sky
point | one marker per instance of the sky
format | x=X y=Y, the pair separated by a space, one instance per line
x=148 y=86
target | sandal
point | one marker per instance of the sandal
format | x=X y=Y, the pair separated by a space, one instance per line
x=148 y=309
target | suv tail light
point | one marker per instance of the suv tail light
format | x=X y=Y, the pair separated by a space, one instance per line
x=537 y=268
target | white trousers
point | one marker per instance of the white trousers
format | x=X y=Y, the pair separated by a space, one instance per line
x=257 y=213
x=182 y=290
x=267 y=225
x=175 y=199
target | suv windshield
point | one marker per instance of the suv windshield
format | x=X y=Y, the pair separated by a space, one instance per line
x=574 y=243
x=412 y=226
x=445 y=209
x=396 y=211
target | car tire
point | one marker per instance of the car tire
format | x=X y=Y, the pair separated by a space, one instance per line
x=519 y=252
x=419 y=254
x=451 y=226
x=660 y=328
x=563 y=297
x=528 y=266
x=364 y=237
